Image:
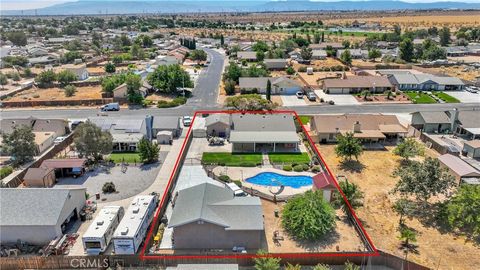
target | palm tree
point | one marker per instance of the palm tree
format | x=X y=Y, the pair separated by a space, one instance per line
x=366 y=94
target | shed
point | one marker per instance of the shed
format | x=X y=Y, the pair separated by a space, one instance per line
x=39 y=177
x=199 y=129
x=323 y=181
x=166 y=123
x=458 y=168
x=66 y=167
x=164 y=137
x=471 y=149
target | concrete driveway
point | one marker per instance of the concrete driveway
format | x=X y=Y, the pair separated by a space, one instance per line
x=464 y=96
x=340 y=99
x=292 y=100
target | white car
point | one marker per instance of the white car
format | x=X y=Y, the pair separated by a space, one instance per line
x=472 y=89
x=59 y=139
x=187 y=121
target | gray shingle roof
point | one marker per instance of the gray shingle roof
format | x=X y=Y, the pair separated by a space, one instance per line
x=216 y=117
x=166 y=122
x=435 y=117
x=32 y=206
x=263 y=128
x=217 y=205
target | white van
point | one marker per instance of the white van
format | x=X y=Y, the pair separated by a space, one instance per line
x=110 y=107
x=237 y=191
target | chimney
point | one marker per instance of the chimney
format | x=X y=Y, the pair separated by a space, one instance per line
x=357 y=127
x=453 y=120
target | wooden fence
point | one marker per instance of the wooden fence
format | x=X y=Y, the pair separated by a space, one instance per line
x=36 y=103
x=104 y=261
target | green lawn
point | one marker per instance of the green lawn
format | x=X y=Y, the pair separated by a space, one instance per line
x=282 y=158
x=232 y=159
x=127 y=157
x=446 y=97
x=420 y=98
x=305 y=119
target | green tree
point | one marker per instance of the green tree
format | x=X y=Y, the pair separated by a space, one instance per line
x=306 y=53
x=265 y=262
x=137 y=52
x=69 y=57
x=365 y=94
x=222 y=40
x=148 y=151
x=308 y=216
x=233 y=72
x=167 y=78
x=423 y=179
x=403 y=207
x=322 y=267
x=117 y=59
x=133 y=82
x=65 y=77
x=346 y=44
x=406 y=50
x=444 y=34
x=293 y=267
x=260 y=55
x=351 y=266
x=27 y=73
x=346 y=57
x=45 y=78
x=91 y=142
x=353 y=194
x=374 y=54
x=229 y=86
x=249 y=102
x=198 y=55
x=434 y=53
x=70 y=90
x=3 y=80
x=290 y=70
x=18 y=38
x=269 y=90
x=348 y=146
x=407 y=236
x=260 y=46
x=20 y=145
x=110 y=67
x=462 y=211
x=409 y=148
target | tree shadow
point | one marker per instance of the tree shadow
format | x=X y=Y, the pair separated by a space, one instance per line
x=353 y=166
x=319 y=245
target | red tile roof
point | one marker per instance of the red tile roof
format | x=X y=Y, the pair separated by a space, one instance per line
x=323 y=181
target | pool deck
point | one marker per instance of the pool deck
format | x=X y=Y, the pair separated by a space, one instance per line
x=242 y=173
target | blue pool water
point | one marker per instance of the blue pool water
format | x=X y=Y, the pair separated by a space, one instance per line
x=274 y=179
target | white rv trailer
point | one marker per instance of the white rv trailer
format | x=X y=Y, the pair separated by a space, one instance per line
x=98 y=235
x=133 y=227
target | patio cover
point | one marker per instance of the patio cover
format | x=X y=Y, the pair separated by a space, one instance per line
x=264 y=137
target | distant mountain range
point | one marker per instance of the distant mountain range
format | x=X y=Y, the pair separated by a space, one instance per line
x=88 y=7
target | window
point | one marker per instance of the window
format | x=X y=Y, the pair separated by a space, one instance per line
x=95 y=244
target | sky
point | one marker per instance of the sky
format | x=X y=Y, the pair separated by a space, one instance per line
x=32 y=4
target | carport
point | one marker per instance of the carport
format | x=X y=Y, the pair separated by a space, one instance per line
x=264 y=141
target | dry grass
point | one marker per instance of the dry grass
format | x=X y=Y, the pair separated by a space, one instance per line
x=38 y=94
x=444 y=250
x=458 y=71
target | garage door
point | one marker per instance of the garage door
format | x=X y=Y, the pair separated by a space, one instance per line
x=289 y=91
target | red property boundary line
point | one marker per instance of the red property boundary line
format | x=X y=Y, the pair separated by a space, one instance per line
x=235 y=256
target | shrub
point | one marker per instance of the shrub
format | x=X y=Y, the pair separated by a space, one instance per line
x=238 y=183
x=248 y=164
x=224 y=178
x=316 y=169
x=302 y=69
x=287 y=168
x=305 y=167
x=70 y=90
x=108 y=187
x=5 y=171
x=174 y=103
x=298 y=168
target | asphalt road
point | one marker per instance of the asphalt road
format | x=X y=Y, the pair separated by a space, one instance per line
x=205 y=94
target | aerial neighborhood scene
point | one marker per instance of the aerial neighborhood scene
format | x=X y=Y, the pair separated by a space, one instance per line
x=250 y=134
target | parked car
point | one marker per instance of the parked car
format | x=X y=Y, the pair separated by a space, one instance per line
x=311 y=96
x=187 y=121
x=299 y=94
x=59 y=139
x=110 y=107
x=472 y=89
x=237 y=191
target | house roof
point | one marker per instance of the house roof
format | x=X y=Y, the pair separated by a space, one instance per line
x=247 y=55
x=368 y=122
x=413 y=78
x=435 y=117
x=458 y=166
x=216 y=118
x=118 y=125
x=323 y=180
x=254 y=82
x=358 y=82
x=267 y=128
x=127 y=137
x=469 y=119
x=217 y=205
x=49 y=124
x=33 y=206
x=473 y=144
x=64 y=163
x=166 y=122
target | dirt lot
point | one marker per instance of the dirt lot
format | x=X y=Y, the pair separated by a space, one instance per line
x=314 y=79
x=344 y=237
x=82 y=93
x=328 y=62
x=458 y=71
x=436 y=249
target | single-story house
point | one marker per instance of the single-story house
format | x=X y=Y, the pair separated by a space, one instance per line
x=471 y=149
x=462 y=123
x=325 y=45
x=355 y=53
x=39 y=177
x=209 y=216
x=458 y=168
x=166 y=123
x=66 y=167
x=57 y=126
x=324 y=182
x=79 y=70
x=263 y=132
x=319 y=54
x=218 y=124
x=166 y=60
x=357 y=84
x=367 y=127
x=275 y=64
x=249 y=56
x=121 y=91
x=280 y=85
x=38 y=215
x=406 y=80
x=431 y=122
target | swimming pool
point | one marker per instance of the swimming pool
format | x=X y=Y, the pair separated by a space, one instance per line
x=274 y=179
